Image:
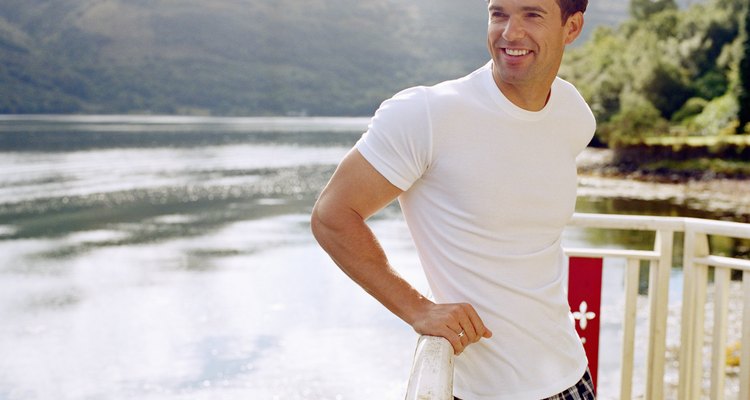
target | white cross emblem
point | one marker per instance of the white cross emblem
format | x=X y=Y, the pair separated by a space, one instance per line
x=583 y=316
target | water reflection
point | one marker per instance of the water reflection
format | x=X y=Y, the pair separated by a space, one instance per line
x=163 y=260
x=223 y=359
x=665 y=207
x=645 y=240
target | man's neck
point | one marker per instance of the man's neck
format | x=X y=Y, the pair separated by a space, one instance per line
x=531 y=97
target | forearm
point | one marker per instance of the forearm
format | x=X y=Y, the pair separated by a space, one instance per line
x=351 y=244
x=355 y=192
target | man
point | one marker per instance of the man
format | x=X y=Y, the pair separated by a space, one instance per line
x=484 y=169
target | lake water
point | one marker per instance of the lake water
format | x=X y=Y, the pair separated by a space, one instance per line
x=170 y=258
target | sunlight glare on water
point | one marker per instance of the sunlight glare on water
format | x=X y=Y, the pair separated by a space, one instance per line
x=119 y=170
x=171 y=258
x=184 y=272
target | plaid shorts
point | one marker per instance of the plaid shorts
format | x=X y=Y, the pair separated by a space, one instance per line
x=583 y=390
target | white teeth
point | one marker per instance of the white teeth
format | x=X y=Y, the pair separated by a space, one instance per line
x=516 y=52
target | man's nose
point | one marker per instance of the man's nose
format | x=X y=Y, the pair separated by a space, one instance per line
x=513 y=30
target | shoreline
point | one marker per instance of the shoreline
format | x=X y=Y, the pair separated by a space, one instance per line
x=599 y=178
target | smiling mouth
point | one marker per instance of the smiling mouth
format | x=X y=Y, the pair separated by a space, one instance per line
x=516 y=52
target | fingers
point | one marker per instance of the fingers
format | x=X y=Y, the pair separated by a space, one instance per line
x=458 y=341
x=463 y=329
x=467 y=325
x=480 y=330
x=458 y=323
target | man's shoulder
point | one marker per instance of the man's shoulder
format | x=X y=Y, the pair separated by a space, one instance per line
x=568 y=94
x=445 y=87
x=573 y=108
x=464 y=83
x=414 y=101
x=565 y=86
x=453 y=92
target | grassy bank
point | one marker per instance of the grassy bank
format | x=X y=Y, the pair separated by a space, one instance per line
x=686 y=157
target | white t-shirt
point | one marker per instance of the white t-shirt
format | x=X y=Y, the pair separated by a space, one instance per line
x=488 y=188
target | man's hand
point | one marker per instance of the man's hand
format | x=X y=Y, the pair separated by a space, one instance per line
x=356 y=191
x=449 y=321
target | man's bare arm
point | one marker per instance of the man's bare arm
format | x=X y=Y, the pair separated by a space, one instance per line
x=356 y=192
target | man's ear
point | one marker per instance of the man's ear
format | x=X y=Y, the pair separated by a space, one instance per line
x=573 y=27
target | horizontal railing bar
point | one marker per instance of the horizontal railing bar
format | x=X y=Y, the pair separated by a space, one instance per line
x=618 y=253
x=654 y=223
x=720 y=228
x=632 y=222
x=724 y=262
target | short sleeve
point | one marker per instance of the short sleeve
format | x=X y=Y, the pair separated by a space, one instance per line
x=398 y=141
x=575 y=115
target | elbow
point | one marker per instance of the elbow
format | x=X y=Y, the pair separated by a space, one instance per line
x=328 y=222
x=316 y=223
x=322 y=221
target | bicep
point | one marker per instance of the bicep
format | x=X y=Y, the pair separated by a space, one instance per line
x=356 y=186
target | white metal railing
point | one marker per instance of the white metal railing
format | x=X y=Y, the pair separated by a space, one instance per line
x=432 y=370
x=432 y=374
x=696 y=265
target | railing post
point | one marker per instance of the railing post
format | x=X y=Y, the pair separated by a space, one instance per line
x=632 y=273
x=432 y=371
x=693 y=301
x=745 y=350
x=658 y=307
x=721 y=310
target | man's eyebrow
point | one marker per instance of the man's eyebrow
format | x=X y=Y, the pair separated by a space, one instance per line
x=536 y=9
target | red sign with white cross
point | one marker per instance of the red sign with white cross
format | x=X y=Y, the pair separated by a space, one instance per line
x=585 y=298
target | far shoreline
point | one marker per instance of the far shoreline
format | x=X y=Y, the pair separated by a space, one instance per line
x=599 y=177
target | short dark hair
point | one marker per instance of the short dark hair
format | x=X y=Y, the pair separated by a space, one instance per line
x=570 y=7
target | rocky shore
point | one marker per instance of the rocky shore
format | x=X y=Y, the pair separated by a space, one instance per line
x=598 y=177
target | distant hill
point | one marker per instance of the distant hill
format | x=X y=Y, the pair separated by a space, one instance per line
x=236 y=57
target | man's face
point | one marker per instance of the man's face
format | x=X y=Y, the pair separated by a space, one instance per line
x=526 y=39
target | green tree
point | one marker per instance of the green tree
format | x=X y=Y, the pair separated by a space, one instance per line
x=637 y=119
x=664 y=64
x=643 y=9
x=666 y=88
x=599 y=71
